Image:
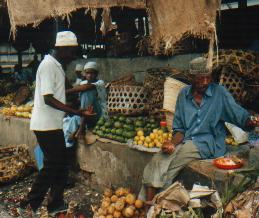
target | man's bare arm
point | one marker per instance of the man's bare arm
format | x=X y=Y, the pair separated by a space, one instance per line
x=80 y=88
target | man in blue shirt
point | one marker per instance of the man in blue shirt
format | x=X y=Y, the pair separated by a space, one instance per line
x=199 y=131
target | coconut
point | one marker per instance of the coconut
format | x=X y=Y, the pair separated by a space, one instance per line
x=119 y=205
x=105 y=204
x=128 y=211
x=107 y=192
x=123 y=198
x=106 y=199
x=126 y=191
x=138 y=204
x=114 y=198
x=130 y=199
x=111 y=209
x=120 y=192
x=102 y=211
x=117 y=214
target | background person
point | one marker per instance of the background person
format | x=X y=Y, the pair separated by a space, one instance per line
x=92 y=93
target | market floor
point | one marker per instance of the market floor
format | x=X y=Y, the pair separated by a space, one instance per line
x=85 y=197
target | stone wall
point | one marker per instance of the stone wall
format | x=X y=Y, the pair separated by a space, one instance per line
x=14 y=131
x=113 y=164
x=112 y=68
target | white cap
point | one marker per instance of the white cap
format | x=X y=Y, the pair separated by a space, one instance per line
x=66 y=38
x=79 y=67
x=91 y=65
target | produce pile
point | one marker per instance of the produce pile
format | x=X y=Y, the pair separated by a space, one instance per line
x=7 y=100
x=154 y=139
x=119 y=204
x=23 y=111
x=14 y=162
x=121 y=128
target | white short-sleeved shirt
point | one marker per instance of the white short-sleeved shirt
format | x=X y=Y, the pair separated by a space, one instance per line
x=50 y=79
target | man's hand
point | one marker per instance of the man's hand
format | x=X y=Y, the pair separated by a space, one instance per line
x=89 y=112
x=253 y=121
x=168 y=147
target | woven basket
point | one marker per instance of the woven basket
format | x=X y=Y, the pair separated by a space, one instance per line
x=172 y=88
x=156 y=100
x=128 y=79
x=233 y=83
x=128 y=100
x=155 y=77
x=14 y=162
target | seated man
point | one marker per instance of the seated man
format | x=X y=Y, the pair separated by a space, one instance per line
x=199 y=131
x=92 y=93
x=78 y=71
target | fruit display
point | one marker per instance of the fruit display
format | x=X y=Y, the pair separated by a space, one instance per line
x=120 y=203
x=7 y=100
x=121 y=128
x=154 y=139
x=228 y=163
x=18 y=111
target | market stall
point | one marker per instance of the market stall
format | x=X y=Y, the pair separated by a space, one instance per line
x=141 y=113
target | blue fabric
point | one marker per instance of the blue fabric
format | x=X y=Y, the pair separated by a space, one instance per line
x=204 y=124
x=88 y=98
x=70 y=126
x=38 y=154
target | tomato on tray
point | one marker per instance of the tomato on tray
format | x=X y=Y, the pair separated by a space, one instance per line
x=228 y=163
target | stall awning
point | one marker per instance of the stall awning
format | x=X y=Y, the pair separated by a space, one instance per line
x=170 y=19
x=173 y=19
x=26 y=12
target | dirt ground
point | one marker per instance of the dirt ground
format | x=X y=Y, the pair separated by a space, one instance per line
x=85 y=197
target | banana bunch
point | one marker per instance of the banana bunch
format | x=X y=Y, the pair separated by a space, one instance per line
x=23 y=111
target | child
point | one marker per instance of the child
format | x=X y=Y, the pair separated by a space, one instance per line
x=92 y=93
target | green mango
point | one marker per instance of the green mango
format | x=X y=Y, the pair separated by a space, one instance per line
x=118 y=125
x=119 y=132
x=108 y=124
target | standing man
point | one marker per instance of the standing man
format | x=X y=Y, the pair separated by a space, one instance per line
x=199 y=131
x=47 y=124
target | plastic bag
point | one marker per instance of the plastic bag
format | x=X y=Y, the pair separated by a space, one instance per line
x=38 y=154
x=239 y=135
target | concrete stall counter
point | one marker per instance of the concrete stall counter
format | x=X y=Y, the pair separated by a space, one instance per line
x=113 y=164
